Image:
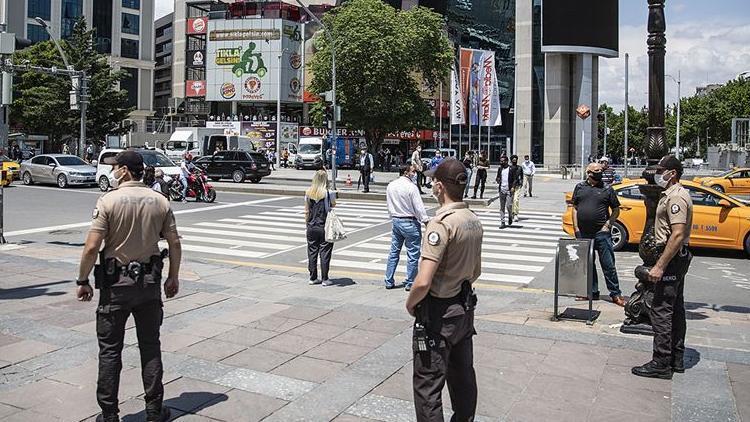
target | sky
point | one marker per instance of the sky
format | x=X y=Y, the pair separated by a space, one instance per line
x=708 y=41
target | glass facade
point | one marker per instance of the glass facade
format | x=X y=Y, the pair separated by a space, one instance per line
x=132 y=4
x=130 y=84
x=131 y=24
x=537 y=95
x=71 y=11
x=103 y=23
x=36 y=33
x=40 y=8
x=129 y=48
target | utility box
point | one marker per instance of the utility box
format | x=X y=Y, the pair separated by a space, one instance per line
x=7 y=43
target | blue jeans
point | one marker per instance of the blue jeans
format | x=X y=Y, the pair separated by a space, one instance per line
x=405 y=231
x=604 y=248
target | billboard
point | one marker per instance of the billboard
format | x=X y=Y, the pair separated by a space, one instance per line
x=580 y=26
x=242 y=60
x=196 y=25
x=195 y=88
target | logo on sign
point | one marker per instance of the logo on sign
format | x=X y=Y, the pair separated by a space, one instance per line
x=292 y=32
x=294 y=85
x=199 y=25
x=197 y=87
x=250 y=63
x=295 y=60
x=252 y=85
x=228 y=56
x=228 y=90
x=198 y=58
x=307 y=131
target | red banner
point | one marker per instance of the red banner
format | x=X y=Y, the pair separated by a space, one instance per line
x=195 y=88
x=465 y=60
x=197 y=25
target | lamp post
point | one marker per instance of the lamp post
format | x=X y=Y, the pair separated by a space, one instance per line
x=79 y=84
x=679 y=101
x=329 y=34
x=278 y=111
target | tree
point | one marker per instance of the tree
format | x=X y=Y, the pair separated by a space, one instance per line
x=383 y=59
x=42 y=101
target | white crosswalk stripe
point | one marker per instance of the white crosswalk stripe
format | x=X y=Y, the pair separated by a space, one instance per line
x=512 y=256
x=270 y=232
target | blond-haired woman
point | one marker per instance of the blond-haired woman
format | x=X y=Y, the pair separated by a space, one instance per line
x=318 y=202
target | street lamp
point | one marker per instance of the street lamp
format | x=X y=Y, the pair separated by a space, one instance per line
x=329 y=34
x=743 y=75
x=81 y=87
x=679 y=101
x=278 y=111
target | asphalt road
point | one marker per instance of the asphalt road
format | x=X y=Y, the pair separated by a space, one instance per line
x=268 y=232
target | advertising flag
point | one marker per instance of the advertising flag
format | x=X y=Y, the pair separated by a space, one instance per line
x=489 y=96
x=464 y=75
x=475 y=89
x=458 y=108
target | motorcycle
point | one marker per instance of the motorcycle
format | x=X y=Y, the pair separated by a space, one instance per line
x=198 y=188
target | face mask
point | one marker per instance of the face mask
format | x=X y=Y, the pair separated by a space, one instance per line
x=413 y=178
x=114 y=180
x=596 y=176
x=661 y=181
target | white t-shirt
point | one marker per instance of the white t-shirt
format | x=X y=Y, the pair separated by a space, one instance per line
x=504 y=185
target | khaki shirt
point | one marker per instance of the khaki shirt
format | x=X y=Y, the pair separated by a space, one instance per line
x=131 y=219
x=675 y=207
x=453 y=240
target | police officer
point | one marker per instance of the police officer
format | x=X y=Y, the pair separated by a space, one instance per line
x=443 y=301
x=129 y=221
x=674 y=219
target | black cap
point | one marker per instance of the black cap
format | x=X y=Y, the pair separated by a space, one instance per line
x=130 y=159
x=669 y=162
x=449 y=171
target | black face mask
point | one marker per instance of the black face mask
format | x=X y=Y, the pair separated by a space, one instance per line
x=597 y=177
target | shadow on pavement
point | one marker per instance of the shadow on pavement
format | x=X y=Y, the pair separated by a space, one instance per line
x=31 y=291
x=342 y=282
x=691 y=358
x=191 y=403
x=691 y=306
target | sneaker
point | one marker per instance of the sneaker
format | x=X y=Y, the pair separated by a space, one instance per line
x=502 y=224
x=653 y=370
x=389 y=286
x=162 y=417
x=407 y=287
x=327 y=283
x=108 y=418
x=314 y=282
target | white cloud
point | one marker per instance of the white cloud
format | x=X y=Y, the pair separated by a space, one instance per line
x=710 y=51
x=163 y=7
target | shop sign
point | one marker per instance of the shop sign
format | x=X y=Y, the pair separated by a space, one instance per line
x=321 y=131
x=197 y=58
x=197 y=25
x=195 y=88
x=244 y=34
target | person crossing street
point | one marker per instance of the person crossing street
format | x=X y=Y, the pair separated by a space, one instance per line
x=416 y=161
x=529 y=170
x=442 y=301
x=507 y=179
x=366 y=165
x=518 y=172
x=482 y=167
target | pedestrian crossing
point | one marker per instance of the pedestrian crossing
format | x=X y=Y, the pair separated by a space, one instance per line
x=271 y=232
x=514 y=256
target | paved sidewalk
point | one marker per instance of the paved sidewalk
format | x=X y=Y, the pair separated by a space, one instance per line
x=245 y=344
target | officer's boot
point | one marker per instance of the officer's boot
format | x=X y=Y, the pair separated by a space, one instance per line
x=162 y=417
x=678 y=364
x=111 y=417
x=653 y=369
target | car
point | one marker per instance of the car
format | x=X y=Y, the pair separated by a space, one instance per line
x=61 y=169
x=236 y=165
x=719 y=221
x=428 y=154
x=734 y=181
x=150 y=158
x=10 y=168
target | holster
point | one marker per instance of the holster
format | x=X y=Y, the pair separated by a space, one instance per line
x=469 y=296
x=105 y=272
x=108 y=272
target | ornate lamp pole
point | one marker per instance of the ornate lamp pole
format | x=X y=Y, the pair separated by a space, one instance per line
x=638 y=307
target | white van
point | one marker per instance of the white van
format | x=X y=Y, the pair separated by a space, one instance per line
x=175 y=150
x=310 y=153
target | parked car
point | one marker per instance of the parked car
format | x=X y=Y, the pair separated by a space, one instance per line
x=61 y=169
x=736 y=180
x=236 y=165
x=11 y=170
x=150 y=158
x=719 y=221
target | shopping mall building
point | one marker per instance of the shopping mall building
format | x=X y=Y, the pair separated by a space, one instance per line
x=232 y=62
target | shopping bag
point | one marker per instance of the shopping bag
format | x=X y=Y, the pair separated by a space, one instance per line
x=334 y=228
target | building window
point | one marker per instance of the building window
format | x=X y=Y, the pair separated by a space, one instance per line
x=40 y=8
x=71 y=11
x=103 y=24
x=130 y=84
x=36 y=33
x=130 y=24
x=129 y=48
x=132 y=4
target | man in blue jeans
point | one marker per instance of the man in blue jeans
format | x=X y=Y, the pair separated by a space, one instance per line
x=407 y=213
x=592 y=201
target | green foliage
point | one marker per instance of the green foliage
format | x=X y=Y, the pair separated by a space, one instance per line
x=383 y=58
x=317 y=113
x=637 y=124
x=42 y=102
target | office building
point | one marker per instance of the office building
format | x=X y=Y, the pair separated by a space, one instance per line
x=163 y=38
x=125 y=33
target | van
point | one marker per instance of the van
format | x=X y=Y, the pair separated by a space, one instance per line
x=310 y=153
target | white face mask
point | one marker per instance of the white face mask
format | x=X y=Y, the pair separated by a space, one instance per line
x=114 y=181
x=661 y=181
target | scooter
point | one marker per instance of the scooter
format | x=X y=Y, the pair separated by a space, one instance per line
x=198 y=188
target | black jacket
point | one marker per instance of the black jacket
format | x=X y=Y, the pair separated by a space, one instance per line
x=515 y=176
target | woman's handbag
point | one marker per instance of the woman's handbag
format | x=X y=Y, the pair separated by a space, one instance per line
x=335 y=230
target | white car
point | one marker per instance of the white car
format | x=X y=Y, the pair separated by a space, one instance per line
x=150 y=158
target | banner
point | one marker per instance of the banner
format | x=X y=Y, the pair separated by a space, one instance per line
x=489 y=97
x=458 y=108
x=475 y=92
x=465 y=79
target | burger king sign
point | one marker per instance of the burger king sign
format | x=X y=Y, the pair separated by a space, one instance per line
x=197 y=25
x=228 y=91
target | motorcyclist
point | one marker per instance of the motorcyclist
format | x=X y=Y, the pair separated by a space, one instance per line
x=186 y=168
x=161 y=182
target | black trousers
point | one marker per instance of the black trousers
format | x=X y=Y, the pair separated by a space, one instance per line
x=420 y=180
x=317 y=245
x=668 y=311
x=146 y=307
x=451 y=361
x=366 y=179
x=480 y=182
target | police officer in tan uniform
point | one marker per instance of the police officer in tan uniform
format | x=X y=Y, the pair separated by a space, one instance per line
x=129 y=221
x=674 y=219
x=443 y=301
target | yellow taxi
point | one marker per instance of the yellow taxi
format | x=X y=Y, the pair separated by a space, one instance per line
x=10 y=168
x=736 y=180
x=719 y=221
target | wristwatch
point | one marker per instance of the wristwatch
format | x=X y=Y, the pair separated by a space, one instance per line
x=84 y=282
